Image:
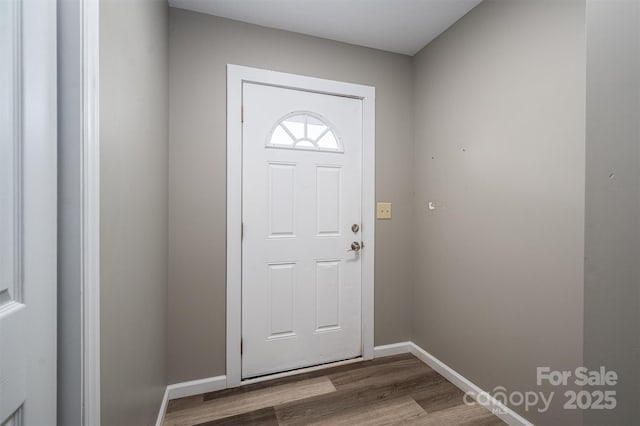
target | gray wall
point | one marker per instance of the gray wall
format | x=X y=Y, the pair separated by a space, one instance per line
x=612 y=238
x=134 y=172
x=200 y=48
x=500 y=127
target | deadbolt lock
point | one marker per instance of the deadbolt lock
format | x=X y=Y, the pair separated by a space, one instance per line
x=355 y=228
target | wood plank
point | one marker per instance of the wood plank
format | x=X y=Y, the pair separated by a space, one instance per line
x=219 y=408
x=184 y=403
x=462 y=415
x=262 y=417
x=366 y=397
x=392 y=412
x=393 y=372
x=439 y=397
x=305 y=376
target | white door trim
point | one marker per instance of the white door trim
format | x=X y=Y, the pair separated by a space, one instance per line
x=90 y=175
x=236 y=75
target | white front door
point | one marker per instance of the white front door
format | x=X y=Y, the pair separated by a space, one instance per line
x=301 y=212
x=28 y=212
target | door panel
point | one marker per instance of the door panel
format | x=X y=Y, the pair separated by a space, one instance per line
x=327 y=294
x=302 y=192
x=282 y=182
x=280 y=298
x=28 y=204
x=328 y=186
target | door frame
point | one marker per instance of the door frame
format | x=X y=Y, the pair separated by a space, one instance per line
x=79 y=92
x=236 y=76
x=90 y=211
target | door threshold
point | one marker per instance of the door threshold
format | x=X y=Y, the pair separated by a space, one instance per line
x=300 y=371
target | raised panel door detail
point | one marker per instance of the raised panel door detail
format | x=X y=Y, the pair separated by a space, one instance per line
x=282 y=201
x=327 y=295
x=328 y=199
x=281 y=288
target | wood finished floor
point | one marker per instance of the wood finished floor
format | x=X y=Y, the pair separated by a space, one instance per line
x=393 y=390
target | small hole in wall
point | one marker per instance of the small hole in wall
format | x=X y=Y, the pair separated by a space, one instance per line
x=612 y=175
x=464 y=149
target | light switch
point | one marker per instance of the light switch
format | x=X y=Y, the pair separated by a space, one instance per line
x=383 y=211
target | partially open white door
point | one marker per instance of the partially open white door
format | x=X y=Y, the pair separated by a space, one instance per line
x=302 y=215
x=28 y=196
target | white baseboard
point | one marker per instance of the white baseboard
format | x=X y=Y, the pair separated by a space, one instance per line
x=503 y=412
x=499 y=409
x=196 y=387
x=163 y=408
x=392 y=349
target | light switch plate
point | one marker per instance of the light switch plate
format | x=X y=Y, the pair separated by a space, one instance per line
x=383 y=211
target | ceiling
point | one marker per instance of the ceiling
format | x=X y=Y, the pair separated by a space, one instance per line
x=401 y=26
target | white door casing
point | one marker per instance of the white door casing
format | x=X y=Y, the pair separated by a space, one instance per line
x=302 y=193
x=28 y=197
x=237 y=76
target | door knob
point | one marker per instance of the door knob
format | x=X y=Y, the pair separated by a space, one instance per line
x=355 y=246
